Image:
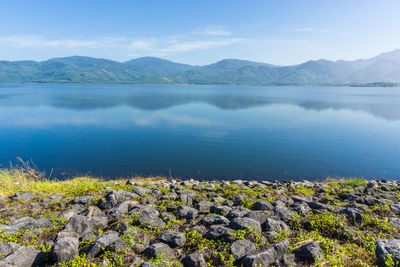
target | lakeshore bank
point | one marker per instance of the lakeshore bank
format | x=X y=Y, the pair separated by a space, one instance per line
x=168 y=222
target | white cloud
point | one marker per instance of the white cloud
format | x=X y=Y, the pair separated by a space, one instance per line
x=152 y=46
x=213 y=30
x=37 y=41
x=142 y=44
x=308 y=30
x=199 y=45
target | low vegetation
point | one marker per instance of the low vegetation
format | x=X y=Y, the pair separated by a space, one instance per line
x=344 y=217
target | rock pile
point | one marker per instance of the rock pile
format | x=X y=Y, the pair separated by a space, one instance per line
x=202 y=223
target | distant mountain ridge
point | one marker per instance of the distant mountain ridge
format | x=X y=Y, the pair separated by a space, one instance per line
x=77 y=69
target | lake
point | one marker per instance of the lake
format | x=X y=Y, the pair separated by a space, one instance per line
x=207 y=132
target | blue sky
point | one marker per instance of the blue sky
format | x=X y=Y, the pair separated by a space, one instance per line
x=199 y=32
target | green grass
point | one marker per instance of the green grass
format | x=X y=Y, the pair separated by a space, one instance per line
x=29 y=180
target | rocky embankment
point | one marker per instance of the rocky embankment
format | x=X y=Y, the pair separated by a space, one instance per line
x=204 y=223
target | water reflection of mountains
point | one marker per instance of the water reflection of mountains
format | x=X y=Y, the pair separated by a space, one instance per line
x=389 y=111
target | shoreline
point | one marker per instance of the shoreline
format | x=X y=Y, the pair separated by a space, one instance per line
x=168 y=222
x=361 y=85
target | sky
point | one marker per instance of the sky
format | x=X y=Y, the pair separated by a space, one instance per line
x=199 y=32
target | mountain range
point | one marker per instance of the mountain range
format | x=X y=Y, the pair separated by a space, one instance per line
x=150 y=70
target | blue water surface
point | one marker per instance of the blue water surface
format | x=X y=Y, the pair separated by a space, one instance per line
x=206 y=132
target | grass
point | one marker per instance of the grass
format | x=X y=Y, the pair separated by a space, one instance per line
x=30 y=180
x=342 y=243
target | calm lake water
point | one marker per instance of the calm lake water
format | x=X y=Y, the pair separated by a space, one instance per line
x=202 y=131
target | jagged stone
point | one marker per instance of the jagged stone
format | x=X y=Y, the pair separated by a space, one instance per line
x=65 y=249
x=173 y=239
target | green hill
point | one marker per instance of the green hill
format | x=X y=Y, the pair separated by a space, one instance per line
x=76 y=69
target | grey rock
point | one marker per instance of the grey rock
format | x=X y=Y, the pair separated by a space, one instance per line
x=237 y=212
x=318 y=206
x=308 y=253
x=275 y=225
x=29 y=222
x=241 y=248
x=262 y=205
x=204 y=206
x=301 y=208
x=395 y=222
x=244 y=224
x=7 y=248
x=120 y=226
x=273 y=255
x=24 y=257
x=65 y=249
x=187 y=212
x=84 y=200
x=104 y=241
x=353 y=216
x=282 y=213
x=258 y=215
x=173 y=239
x=23 y=196
x=159 y=249
x=150 y=220
x=222 y=210
x=220 y=233
x=93 y=211
x=141 y=191
x=83 y=225
x=238 y=199
x=215 y=219
x=385 y=247
x=141 y=208
x=194 y=260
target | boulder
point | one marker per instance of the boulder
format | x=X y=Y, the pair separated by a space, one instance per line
x=7 y=248
x=23 y=196
x=271 y=255
x=65 y=249
x=385 y=247
x=215 y=219
x=300 y=207
x=159 y=249
x=104 y=242
x=141 y=191
x=204 y=206
x=238 y=211
x=150 y=220
x=220 y=233
x=275 y=225
x=83 y=225
x=353 y=215
x=258 y=215
x=194 y=260
x=24 y=257
x=173 y=239
x=84 y=200
x=308 y=253
x=262 y=205
x=244 y=224
x=241 y=248
x=222 y=210
x=282 y=213
x=187 y=212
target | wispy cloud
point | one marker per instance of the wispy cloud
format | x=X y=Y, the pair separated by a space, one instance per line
x=37 y=41
x=213 y=30
x=153 y=46
x=308 y=30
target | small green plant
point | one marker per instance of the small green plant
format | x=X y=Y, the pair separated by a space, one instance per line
x=327 y=223
x=78 y=261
